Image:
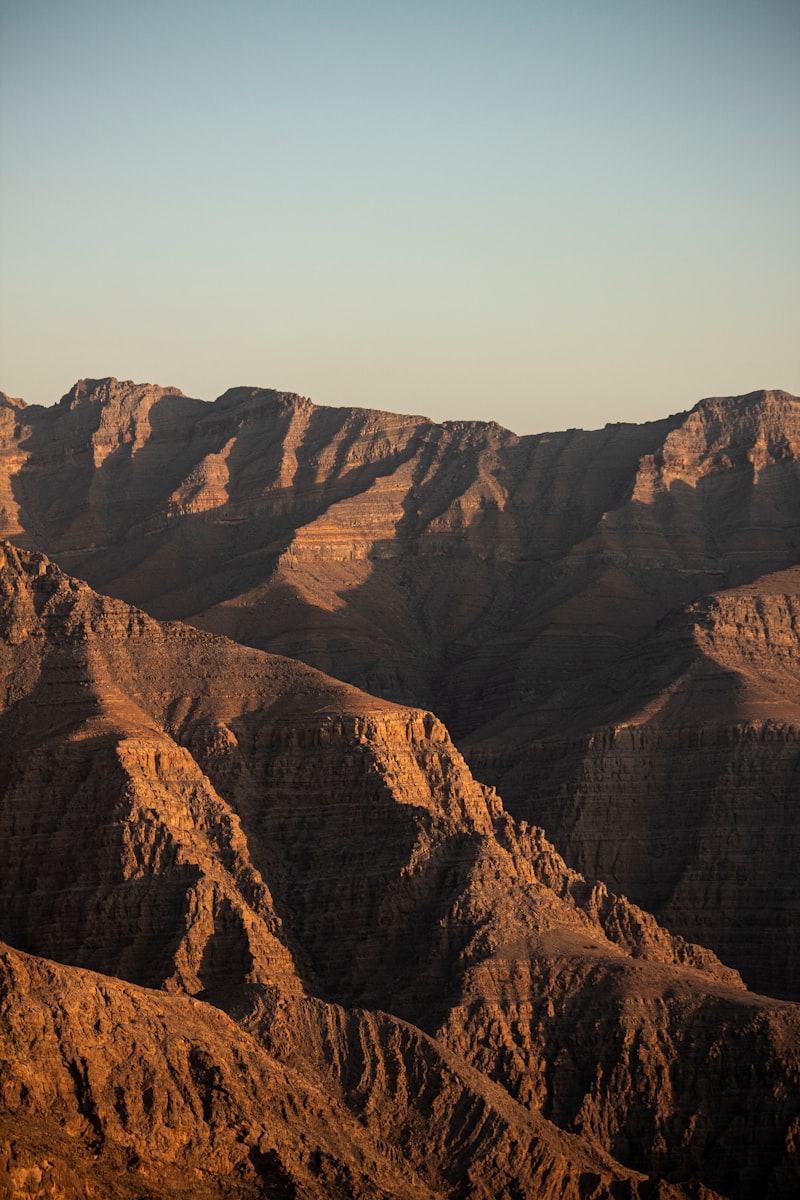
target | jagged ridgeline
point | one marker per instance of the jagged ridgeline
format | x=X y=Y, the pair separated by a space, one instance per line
x=267 y=935
x=606 y=621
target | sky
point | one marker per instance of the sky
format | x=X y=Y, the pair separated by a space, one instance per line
x=544 y=214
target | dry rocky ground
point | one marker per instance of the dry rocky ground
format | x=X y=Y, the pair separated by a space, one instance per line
x=271 y=938
x=266 y=933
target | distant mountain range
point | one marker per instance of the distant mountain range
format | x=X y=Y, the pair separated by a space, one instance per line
x=374 y=975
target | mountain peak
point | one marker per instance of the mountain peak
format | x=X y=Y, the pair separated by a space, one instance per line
x=110 y=389
x=7 y=401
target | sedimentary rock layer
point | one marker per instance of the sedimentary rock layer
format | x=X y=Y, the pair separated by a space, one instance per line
x=530 y=590
x=371 y=980
x=683 y=793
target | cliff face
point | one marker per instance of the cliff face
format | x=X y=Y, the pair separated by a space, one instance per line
x=536 y=592
x=682 y=796
x=372 y=980
x=422 y=560
x=383 y=548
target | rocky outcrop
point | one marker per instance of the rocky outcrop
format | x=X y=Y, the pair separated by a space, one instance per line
x=516 y=586
x=419 y=559
x=161 y=1096
x=108 y=1086
x=529 y=590
x=372 y=980
x=382 y=548
x=395 y=552
x=682 y=796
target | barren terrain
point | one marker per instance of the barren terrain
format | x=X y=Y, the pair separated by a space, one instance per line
x=267 y=933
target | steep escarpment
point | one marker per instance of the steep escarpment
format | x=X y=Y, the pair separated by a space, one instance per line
x=115 y=471
x=492 y=577
x=682 y=796
x=489 y=576
x=632 y=1062
x=137 y=1093
x=228 y=778
x=12 y=458
x=429 y=1001
x=532 y=591
x=456 y=565
x=385 y=549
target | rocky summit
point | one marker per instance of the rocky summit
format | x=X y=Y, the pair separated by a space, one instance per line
x=266 y=934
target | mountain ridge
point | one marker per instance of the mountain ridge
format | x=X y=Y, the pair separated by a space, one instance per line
x=510 y=584
x=343 y=926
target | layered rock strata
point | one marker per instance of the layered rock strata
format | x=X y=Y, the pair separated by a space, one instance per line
x=683 y=793
x=427 y=559
x=371 y=980
x=515 y=585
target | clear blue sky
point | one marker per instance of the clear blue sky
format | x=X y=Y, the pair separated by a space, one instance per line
x=547 y=214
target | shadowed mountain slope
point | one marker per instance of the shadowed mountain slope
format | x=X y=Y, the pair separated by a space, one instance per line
x=455 y=563
x=683 y=792
x=539 y=593
x=387 y=546
x=371 y=981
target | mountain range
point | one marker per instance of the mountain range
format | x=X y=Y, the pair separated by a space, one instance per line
x=266 y=932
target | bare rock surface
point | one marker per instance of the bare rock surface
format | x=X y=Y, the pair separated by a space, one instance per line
x=330 y=962
x=386 y=549
x=596 y=616
x=159 y=1095
x=518 y=586
x=683 y=793
x=430 y=559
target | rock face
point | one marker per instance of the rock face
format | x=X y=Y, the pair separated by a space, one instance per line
x=684 y=794
x=268 y=937
x=605 y=620
x=388 y=549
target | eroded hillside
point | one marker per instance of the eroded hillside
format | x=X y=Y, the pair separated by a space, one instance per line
x=594 y=615
x=270 y=937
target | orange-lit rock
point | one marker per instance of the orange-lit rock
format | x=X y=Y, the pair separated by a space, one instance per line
x=331 y=964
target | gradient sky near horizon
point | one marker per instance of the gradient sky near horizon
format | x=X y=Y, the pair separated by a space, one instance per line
x=545 y=214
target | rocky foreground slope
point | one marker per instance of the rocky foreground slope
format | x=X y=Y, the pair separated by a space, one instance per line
x=266 y=936
x=605 y=620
